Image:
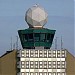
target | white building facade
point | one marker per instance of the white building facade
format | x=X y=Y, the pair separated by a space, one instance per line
x=41 y=62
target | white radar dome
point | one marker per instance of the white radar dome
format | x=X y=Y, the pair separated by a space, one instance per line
x=36 y=16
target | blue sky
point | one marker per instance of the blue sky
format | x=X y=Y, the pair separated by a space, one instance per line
x=60 y=18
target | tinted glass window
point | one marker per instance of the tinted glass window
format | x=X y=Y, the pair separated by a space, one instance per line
x=42 y=37
x=51 y=37
x=48 y=37
x=25 y=37
x=36 y=36
x=30 y=37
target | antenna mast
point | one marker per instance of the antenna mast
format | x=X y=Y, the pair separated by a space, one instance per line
x=11 y=43
x=17 y=43
x=61 y=43
x=56 y=43
x=14 y=46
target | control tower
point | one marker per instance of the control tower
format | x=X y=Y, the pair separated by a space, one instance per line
x=36 y=57
x=36 y=36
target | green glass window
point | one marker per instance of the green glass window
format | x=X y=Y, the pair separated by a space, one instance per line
x=36 y=37
x=47 y=37
x=25 y=37
x=51 y=36
x=30 y=37
x=42 y=37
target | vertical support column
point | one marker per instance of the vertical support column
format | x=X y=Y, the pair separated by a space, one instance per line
x=56 y=62
x=60 y=61
x=25 y=60
x=29 y=61
x=34 y=61
x=38 y=62
x=43 y=62
x=52 y=61
x=47 y=62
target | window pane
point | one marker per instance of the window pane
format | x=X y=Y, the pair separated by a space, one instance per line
x=22 y=73
x=49 y=74
x=27 y=62
x=36 y=62
x=36 y=37
x=22 y=55
x=54 y=73
x=31 y=66
x=27 y=66
x=22 y=62
x=42 y=37
x=23 y=66
x=40 y=73
x=30 y=37
x=49 y=62
x=27 y=73
x=58 y=73
x=63 y=73
x=36 y=73
x=31 y=62
x=25 y=37
x=51 y=37
x=54 y=62
x=48 y=37
x=45 y=73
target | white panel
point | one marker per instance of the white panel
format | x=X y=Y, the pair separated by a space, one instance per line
x=22 y=59
x=33 y=59
x=27 y=70
x=58 y=70
x=49 y=70
x=40 y=70
x=22 y=70
x=58 y=59
x=40 y=59
x=62 y=70
x=36 y=70
x=62 y=59
x=54 y=70
x=49 y=59
x=31 y=70
x=45 y=70
x=53 y=59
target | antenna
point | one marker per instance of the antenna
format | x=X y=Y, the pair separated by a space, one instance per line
x=11 y=43
x=56 y=43
x=61 y=43
x=14 y=46
x=17 y=43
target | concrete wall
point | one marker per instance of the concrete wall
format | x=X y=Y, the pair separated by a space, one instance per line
x=0 y=66
x=8 y=64
x=70 y=64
